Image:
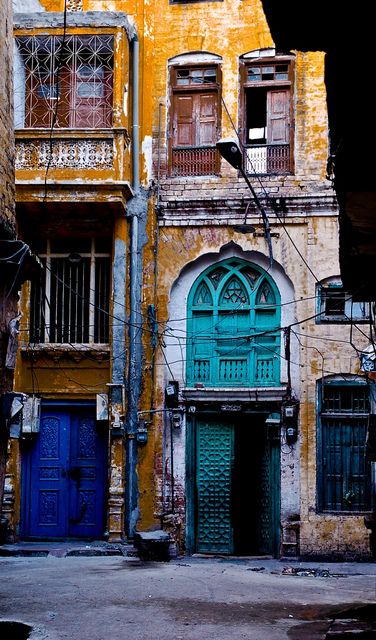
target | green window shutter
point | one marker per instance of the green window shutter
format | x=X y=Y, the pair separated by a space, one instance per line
x=344 y=479
x=228 y=307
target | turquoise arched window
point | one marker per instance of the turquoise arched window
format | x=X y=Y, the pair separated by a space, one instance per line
x=233 y=327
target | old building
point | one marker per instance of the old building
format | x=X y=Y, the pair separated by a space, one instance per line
x=203 y=300
x=15 y=257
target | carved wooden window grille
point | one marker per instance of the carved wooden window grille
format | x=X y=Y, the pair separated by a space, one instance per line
x=233 y=327
x=64 y=82
x=71 y=302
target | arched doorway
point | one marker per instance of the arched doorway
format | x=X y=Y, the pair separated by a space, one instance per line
x=233 y=333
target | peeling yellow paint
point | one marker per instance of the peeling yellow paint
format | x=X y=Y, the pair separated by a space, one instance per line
x=228 y=30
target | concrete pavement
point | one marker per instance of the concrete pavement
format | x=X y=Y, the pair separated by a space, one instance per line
x=191 y=598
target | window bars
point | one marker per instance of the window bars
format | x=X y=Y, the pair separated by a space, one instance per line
x=66 y=81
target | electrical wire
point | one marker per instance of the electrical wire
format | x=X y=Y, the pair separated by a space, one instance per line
x=56 y=83
x=269 y=201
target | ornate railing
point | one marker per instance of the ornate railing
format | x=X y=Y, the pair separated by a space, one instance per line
x=195 y=161
x=268 y=159
x=65 y=154
x=235 y=371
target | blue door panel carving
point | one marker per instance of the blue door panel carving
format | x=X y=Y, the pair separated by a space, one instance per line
x=67 y=491
x=48 y=484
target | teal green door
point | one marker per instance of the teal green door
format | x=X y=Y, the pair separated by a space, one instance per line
x=215 y=454
x=237 y=486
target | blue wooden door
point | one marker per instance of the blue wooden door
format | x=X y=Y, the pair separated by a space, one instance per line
x=67 y=466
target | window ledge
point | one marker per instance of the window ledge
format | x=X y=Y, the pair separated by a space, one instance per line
x=57 y=351
x=234 y=394
x=66 y=132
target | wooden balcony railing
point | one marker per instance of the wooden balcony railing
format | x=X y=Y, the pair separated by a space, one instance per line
x=195 y=161
x=268 y=159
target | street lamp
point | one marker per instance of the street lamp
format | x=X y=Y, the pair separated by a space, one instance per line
x=229 y=150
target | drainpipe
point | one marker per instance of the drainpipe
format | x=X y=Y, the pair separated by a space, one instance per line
x=134 y=376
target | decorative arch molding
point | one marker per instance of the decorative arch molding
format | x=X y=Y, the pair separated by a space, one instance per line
x=180 y=290
x=192 y=57
x=267 y=52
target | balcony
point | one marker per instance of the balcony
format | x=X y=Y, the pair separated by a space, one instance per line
x=71 y=126
x=271 y=159
x=195 y=161
x=87 y=154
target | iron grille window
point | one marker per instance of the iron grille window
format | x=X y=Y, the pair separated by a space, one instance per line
x=68 y=82
x=268 y=117
x=344 y=474
x=71 y=303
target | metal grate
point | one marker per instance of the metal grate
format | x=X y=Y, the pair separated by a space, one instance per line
x=195 y=161
x=70 y=304
x=66 y=81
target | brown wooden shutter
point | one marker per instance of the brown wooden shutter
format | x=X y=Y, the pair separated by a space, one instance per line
x=278 y=116
x=90 y=98
x=183 y=121
x=207 y=110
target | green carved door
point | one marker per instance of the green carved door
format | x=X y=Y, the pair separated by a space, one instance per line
x=269 y=498
x=214 y=464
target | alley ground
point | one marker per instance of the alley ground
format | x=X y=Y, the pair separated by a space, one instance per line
x=190 y=598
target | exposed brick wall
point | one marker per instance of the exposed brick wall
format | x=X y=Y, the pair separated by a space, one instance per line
x=8 y=303
x=7 y=218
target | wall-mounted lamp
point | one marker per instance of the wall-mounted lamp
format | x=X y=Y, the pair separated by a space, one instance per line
x=244 y=227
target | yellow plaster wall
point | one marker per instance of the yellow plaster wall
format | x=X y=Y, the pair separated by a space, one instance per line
x=230 y=29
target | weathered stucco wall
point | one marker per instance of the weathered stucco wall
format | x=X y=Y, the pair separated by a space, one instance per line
x=190 y=226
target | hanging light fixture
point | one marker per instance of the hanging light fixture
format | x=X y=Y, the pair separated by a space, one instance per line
x=244 y=227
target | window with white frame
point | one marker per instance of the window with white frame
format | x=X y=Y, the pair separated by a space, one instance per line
x=335 y=304
x=70 y=304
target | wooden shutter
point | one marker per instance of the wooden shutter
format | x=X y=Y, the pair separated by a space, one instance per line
x=278 y=106
x=183 y=121
x=92 y=98
x=207 y=109
x=195 y=119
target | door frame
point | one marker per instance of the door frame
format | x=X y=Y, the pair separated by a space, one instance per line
x=26 y=455
x=190 y=464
